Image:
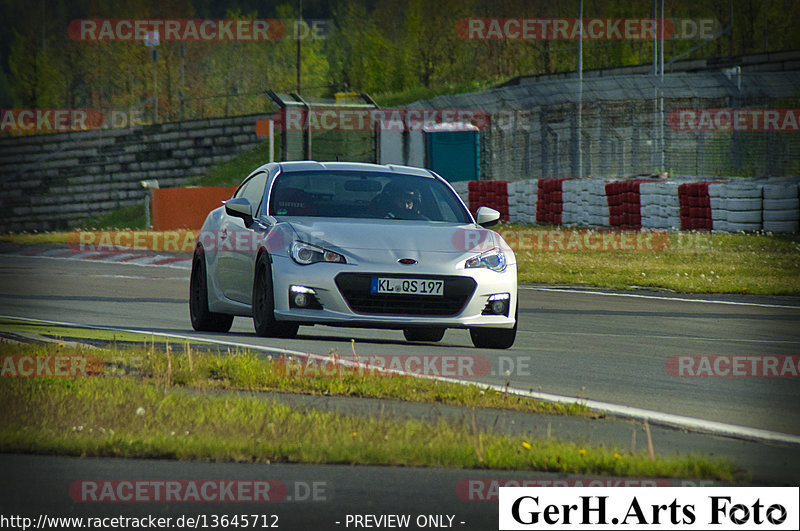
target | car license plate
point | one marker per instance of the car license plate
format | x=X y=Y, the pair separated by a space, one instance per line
x=407 y=286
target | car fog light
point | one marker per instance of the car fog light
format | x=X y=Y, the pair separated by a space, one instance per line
x=497 y=304
x=499 y=307
x=301 y=300
x=303 y=297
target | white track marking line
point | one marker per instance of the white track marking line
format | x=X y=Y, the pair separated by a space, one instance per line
x=182 y=264
x=657 y=297
x=649 y=336
x=668 y=419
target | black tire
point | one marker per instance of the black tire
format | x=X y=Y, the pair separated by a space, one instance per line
x=431 y=333
x=497 y=338
x=204 y=320
x=264 y=305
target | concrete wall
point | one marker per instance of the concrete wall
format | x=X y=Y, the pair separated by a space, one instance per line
x=55 y=181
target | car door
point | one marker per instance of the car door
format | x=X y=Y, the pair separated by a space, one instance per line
x=237 y=244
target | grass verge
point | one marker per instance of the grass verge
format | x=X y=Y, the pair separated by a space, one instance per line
x=232 y=172
x=127 y=217
x=205 y=367
x=129 y=417
x=758 y=263
x=34 y=238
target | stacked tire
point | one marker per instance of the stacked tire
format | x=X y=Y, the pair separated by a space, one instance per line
x=522 y=201
x=695 y=206
x=660 y=205
x=781 y=206
x=597 y=204
x=549 y=201
x=736 y=206
x=624 y=204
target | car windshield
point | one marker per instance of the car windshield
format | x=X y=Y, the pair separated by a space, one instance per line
x=348 y=194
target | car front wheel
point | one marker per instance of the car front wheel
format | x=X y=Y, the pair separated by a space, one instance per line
x=204 y=320
x=264 y=305
x=499 y=338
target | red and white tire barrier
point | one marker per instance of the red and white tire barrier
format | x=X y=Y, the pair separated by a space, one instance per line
x=721 y=206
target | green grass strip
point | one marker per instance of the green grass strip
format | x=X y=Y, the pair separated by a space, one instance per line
x=212 y=368
x=691 y=263
x=113 y=417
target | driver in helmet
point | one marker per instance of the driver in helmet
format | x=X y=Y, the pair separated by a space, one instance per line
x=400 y=201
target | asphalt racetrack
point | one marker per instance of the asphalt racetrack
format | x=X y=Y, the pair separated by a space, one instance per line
x=618 y=348
x=606 y=347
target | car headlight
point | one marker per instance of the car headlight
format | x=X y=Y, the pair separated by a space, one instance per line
x=305 y=253
x=494 y=260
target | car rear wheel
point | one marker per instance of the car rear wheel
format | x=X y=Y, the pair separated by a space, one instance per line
x=499 y=338
x=264 y=305
x=433 y=333
x=204 y=320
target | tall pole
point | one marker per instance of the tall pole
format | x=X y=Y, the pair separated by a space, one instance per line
x=182 y=51
x=661 y=87
x=44 y=40
x=155 y=86
x=655 y=88
x=297 y=35
x=580 y=91
x=655 y=39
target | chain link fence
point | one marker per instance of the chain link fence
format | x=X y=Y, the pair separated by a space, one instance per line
x=325 y=129
x=726 y=123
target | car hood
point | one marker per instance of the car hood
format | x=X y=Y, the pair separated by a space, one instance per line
x=393 y=235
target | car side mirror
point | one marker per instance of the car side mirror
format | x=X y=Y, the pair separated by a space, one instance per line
x=486 y=217
x=240 y=208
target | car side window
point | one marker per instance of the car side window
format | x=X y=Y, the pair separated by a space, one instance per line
x=253 y=190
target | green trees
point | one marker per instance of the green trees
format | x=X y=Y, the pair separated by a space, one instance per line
x=370 y=45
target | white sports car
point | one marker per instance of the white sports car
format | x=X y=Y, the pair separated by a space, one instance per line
x=356 y=245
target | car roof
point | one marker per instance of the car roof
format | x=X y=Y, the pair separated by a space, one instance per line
x=310 y=165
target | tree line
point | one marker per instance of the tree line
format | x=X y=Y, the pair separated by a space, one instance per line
x=378 y=47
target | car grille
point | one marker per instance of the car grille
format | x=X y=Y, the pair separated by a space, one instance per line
x=355 y=287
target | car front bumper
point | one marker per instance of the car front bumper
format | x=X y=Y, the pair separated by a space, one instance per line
x=336 y=310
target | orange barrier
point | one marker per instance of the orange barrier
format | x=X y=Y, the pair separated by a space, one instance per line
x=186 y=208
